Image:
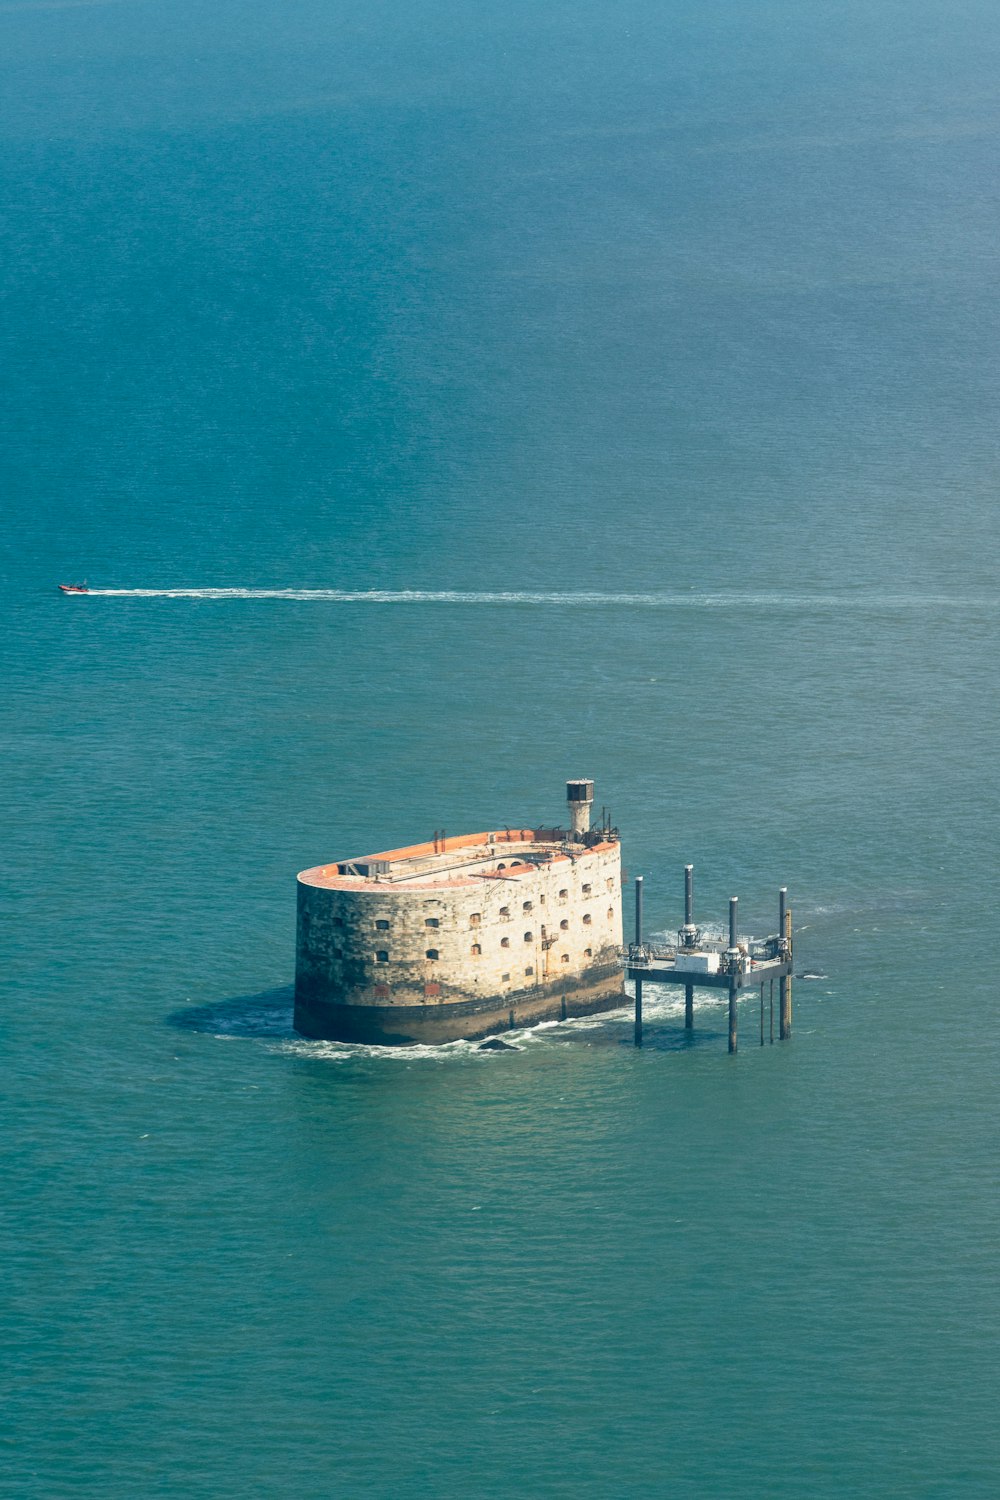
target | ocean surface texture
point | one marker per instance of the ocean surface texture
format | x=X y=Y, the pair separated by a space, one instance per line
x=444 y=400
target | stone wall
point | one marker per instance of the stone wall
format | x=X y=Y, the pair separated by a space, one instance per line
x=555 y=926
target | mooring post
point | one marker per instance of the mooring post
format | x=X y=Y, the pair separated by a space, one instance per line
x=784 y=983
x=772 y=1012
x=689 y=922
x=733 y=971
x=638 y=977
x=762 y=1013
x=786 y=1005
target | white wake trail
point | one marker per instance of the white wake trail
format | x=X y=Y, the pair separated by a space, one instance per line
x=730 y=599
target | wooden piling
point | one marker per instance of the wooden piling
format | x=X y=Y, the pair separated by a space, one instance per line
x=762 y=1013
x=689 y=1007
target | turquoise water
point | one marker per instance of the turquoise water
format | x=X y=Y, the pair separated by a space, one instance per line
x=450 y=404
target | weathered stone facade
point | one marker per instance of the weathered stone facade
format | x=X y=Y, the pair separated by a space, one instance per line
x=459 y=938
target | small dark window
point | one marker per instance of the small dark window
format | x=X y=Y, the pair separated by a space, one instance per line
x=585 y=889
x=381 y=956
x=586 y=919
x=563 y=894
x=381 y=926
x=565 y=958
x=432 y=953
x=432 y=922
x=505 y=911
x=476 y=950
x=588 y=952
x=529 y=937
x=564 y=925
x=528 y=971
x=475 y=919
x=505 y=942
x=501 y=867
x=611 y=913
x=526 y=906
x=504 y=978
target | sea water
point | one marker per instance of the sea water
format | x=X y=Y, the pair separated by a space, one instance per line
x=442 y=403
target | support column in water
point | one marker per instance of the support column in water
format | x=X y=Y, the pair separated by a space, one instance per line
x=689 y=922
x=733 y=972
x=638 y=977
x=785 y=982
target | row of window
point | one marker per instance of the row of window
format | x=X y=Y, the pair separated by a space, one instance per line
x=519 y=864
x=432 y=989
x=382 y=956
x=476 y=918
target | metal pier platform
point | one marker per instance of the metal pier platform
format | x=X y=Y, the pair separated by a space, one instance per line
x=700 y=962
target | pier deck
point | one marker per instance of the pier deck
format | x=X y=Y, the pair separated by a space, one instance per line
x=660 y=965
x=700 y=961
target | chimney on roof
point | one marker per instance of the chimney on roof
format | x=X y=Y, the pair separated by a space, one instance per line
x=580 y=796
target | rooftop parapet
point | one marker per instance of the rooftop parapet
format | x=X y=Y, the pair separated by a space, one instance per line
x=501 y=854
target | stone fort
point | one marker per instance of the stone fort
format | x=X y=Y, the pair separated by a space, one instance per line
x=463 y=936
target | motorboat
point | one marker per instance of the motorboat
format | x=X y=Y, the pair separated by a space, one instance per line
x=74 y=588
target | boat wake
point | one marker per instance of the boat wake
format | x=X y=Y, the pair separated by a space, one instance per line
x=594 y=598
